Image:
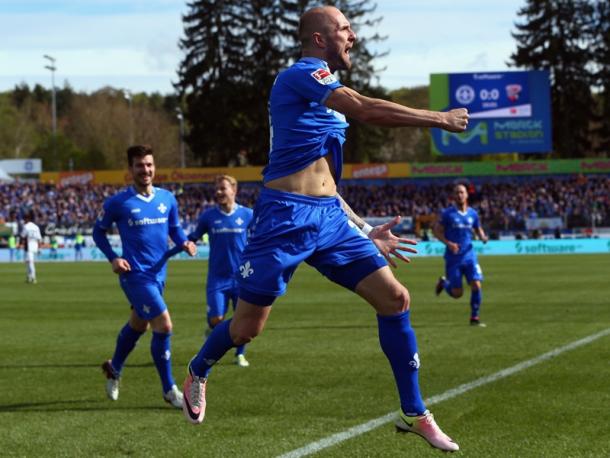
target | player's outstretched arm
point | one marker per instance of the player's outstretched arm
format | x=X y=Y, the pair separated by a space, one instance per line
x=389 y=244
x=381 y=112
x=386 y=242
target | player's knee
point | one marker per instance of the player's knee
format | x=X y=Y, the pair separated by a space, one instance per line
x=243 y=336
x=214 y=321
x=399 y=301
x=475 y=285
x=243 y=332
x=457 y=293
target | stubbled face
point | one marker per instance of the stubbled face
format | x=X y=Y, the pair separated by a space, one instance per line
x=224 y=193
x=460 y=194
x=143 y=170
x=340 y=39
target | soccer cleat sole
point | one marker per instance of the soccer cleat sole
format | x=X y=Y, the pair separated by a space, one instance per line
x=405 y=431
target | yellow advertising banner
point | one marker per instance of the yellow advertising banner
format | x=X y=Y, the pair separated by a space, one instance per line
x=122 y=177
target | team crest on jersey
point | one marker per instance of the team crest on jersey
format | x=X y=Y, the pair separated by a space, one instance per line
x=162 y=208
x=323 y=76
x=239 y=221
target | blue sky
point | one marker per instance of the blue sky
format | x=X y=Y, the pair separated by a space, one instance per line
x=132 y=44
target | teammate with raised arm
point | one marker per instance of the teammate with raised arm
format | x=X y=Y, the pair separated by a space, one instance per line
x=300 y=217
x=455 y=228
x=145 y=217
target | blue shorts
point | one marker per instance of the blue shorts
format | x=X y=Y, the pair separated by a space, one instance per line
x=145 y=297
x=287 y=229
x=467 y=266
x=218 y=301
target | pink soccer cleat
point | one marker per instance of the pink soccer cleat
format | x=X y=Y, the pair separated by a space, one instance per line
x=425 y=426
x=193 y=404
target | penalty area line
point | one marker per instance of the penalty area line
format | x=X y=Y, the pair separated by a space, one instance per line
x=350 y=433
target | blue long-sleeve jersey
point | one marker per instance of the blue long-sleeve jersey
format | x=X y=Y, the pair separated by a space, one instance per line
x=228 y=234
x=145 y=223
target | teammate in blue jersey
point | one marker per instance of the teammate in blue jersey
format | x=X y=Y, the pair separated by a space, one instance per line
x=300 y=217
x=227 y=225
x=455 y=229
x=145 y=216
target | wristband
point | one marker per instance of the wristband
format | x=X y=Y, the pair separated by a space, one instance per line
x=367 y=228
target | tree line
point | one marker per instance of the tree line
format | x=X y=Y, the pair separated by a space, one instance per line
x=232 y=52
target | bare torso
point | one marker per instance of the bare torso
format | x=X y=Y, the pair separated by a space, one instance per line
x=315 y=180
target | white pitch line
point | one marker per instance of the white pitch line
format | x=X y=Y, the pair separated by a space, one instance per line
x=350 y=433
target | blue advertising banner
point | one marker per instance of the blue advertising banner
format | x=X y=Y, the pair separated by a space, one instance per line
x=520 y=247
x=509 y=112
x=491 y=248
x=88 y=254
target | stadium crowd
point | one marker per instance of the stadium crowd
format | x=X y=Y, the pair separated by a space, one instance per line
x=504 y=205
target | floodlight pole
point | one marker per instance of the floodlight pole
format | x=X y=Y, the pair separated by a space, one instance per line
x=180 y=117
x=52 y=68
x=127 y=95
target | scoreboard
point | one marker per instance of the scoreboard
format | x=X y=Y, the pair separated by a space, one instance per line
x=509 y=112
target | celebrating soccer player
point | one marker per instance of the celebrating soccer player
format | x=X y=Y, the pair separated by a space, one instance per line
x=455 y=228
x=145 y=216
x=227 y=225
x=300 y=217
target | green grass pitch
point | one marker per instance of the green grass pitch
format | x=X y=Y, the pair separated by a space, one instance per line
x=317 y=368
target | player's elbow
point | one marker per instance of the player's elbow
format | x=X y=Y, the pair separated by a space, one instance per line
x=98 y=233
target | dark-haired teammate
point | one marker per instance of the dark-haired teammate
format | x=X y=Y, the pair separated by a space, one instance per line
x=300 y=217
x=455 y=229
x=145 y=216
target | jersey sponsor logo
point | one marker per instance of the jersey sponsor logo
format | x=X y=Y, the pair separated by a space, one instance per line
x=246 y=270
x=227 y=230
x=162 y=208
x=146 y=221
x=323 y=76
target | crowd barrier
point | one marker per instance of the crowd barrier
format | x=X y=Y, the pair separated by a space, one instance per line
x=491 y=248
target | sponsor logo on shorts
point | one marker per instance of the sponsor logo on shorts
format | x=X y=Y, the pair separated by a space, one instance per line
x=323 y=76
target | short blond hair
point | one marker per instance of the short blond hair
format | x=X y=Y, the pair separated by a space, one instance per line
x=232 y=181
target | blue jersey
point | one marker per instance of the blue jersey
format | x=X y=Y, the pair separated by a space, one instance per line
x=144 y=224
x=228 y=234
x=302 y=128
x=458 y=227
